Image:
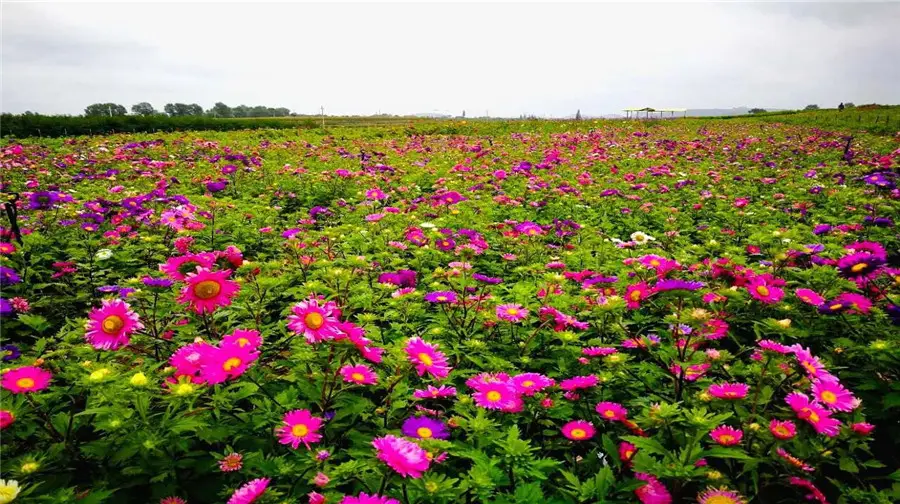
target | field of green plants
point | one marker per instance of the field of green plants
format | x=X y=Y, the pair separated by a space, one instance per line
x=700 y=310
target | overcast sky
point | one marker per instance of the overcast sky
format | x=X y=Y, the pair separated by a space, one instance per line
x=508 y=59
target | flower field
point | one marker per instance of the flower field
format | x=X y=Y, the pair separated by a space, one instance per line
x=504 y=312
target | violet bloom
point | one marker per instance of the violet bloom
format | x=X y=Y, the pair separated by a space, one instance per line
x=486 y=279
x=441 y=297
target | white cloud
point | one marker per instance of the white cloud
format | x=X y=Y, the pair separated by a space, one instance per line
x=545 y=59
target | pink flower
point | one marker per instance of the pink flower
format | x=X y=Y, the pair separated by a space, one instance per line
x=226 y=362
x=598 y=351
x=809 y=297
x=299 y=427
x=626 y=451
x=579 y=382
x=794 y=461
x=498 y=396
x=773 y=346
x=110 y=326
x=359 y=374
x=317 y=498
x=862 y=428
x=814 y=493
x=364 y=498
x=578 y=430
x=315 y=322
x=815 y=415
x=26 y=379
x=242 y=338
x=432 y=392
x=611 y=411
x=530 y=383
x=654 y=492
x=231 y=462
x=403 y=456
x=763 y=291
x=811 y=364
x=6 y=418
x=782 y=429
x=726 y=436
x=511 y=312
x=636 y=293
x=321 y=479
x=427 y=358
x=829 y=391
x=729 y=391
x=179 y=267
x=207 y=290
x=189 y=359
x=250 y=491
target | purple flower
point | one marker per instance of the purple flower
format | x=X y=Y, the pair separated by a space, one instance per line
x=486 y=279
x=671 y=284
x=6 y=308
x=10 y=352
x=441 y=297
x=402 y=278
x=217 y=186
x=425 y=428
x=228 y=169
x=106 y=289
x=8 y=276
x=821 y=229
x=42 y=200
x=162 y=283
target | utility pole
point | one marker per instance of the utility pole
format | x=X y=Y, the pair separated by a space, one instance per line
x=323 y=116
x=109 y=109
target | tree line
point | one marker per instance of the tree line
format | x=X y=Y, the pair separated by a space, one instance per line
x=220 y=109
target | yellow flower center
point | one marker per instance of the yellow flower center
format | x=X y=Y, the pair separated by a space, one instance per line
x=836 y=306
x=424 y=432
x=25 y=383
x=424 y=358
x=578 y=433
x=512 y=311
x=493 y=396
x=720 y=499
x=859 y=267
x=207 y=289
x=231 y=364
x=314 y=320
x=442 y=298
x=635 y=295
x=112 y=324
x=609 y=413
x=813 y=416
x=300 y=430
x=629 y=453
x=527 y=383
x=726 y=438
x=781 y=430
x=829 y=397
x=809 y=367
x=654 y=263
x=242 y=342
x=357 y=377
x=762 y=290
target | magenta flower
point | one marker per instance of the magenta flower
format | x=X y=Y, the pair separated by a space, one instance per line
x=729 y=391
x=405 y=457
x=611 y=411
x=578 y=430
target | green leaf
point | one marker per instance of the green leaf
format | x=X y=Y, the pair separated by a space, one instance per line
x=847 y=464
x=648 y=445
x=36 y=322
x=729 y=453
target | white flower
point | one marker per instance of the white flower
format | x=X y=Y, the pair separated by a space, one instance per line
x=103 y=254
x=786 y=240
x=9 y=489
x=427 y=225
x=640 y=238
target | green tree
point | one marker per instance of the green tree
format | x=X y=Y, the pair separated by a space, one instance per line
x=756 y=111
x=241 y=111
x=811 y=107
x=105 y=109
x=143 y=109
x=221 y=110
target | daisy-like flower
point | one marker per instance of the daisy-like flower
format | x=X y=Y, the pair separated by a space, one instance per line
x=611 y=411
x=672 y=284
x=364 y=498
x=815 y=415
x=811 y=364
x=626 y=451
x=205 y=290
x=441 y=297
x=714 y=329
x=250 y=491
x=579 y=430
x=498 y=396
x=860 y=266
x=317 y=323
x=763 y=291
x=641 y=238
x=110 y=326
x=863 y=428
x=579 y=382
x=9 y=490
x=530 y=383
x=654 y=492
x=814 y=493
x=794 y=461
x=188 y=360
x=729 y=391
x=782 y=429
x=427 y=358
x=6 y=418
x=726 y=436
x=809 y=297
x=424 y=427
x=636 y=293
x=405 y=457
x=299 y=427
x=231 y=462
x=242 y=338
x=772 y=346
x=173 y=499
x=598 y=351
x=359 y=374
x=720 y=496
x=511 y=312
x=179 y=267
x=432 y=392
x=853 y=303
x=25 y=380
x=226 y=362
x=829 y=391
